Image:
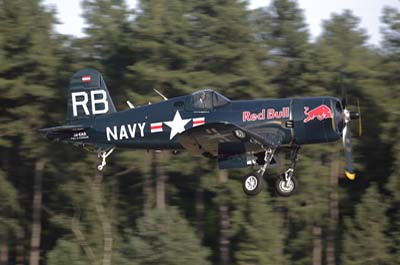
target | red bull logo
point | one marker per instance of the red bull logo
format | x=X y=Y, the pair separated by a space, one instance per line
x=321 y=112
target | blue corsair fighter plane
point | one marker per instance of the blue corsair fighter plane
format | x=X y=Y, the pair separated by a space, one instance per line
x=238 y=133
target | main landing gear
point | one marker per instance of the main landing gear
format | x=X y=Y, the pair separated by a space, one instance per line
x=285 y=185
x=103 y=155
x=252 y=184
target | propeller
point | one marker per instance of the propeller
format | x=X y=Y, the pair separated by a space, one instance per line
x=359 y=119
x=344 y=96
x=346 y=134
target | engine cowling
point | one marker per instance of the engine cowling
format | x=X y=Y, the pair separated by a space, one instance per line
x=317 y=119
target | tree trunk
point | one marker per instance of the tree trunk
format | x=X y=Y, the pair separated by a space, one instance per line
x=333 y=212
x=161 y=179
x=148 y=192
x=37 y=212
x=3 y=253
x=114 y=196
x=82 y=241
x=104 y=220
x=224 y=243
x=20 y=249
x=3 y=240
x=317 y=245
x=148 y=189
x=199 y=209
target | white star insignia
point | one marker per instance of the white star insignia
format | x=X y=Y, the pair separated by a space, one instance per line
x=177 y=125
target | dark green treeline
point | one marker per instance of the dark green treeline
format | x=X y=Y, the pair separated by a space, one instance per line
x=160 y=208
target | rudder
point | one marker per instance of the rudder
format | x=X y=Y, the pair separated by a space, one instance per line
x=88 y=96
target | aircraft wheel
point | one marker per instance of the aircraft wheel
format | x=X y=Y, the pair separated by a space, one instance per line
x=100 y=167
x=285 y=188
x=252 y=184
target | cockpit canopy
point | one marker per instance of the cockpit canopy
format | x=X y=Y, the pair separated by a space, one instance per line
x=206 y=100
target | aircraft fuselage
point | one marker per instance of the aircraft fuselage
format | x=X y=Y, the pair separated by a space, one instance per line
x=157 y=126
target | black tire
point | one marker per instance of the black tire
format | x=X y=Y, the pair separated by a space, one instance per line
x=252 y=184
x=282 y=189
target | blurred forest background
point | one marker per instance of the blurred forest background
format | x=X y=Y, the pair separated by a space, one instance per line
x=159 y=208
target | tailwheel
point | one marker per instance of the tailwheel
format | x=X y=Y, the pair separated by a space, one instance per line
x=252 y=184
x=285 y=186
x=103 y=156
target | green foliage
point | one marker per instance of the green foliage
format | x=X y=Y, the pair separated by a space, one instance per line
x=225 y=57
x=160 y=44
x=9 y=207
x=164 y=237
x=107 y=46
x=8 y=195
x=27 y=70
x=390 y=77
x=258 y=240
x=282 y=30
x=391 y=20
x=66 y=253
x=393 y=226
x=365 y=241
x=179 y=46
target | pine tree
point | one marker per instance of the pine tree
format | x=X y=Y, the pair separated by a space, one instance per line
x=178 y=46
x=107 y=43
x=342 y=59
x=282 y=31
x=9 y=225
x=307 y=211
x=260 y=240
x=365 y=241
x=225 y=57
x=225 y=52
x=27 y=74
x=163 y=236
x=160 y=48
x=66 y=252
x=28 y=71
x=390 y=75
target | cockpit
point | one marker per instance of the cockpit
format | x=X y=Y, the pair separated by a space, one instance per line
x=206 y=100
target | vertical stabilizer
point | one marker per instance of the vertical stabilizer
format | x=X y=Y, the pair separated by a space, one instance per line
x=88 y=96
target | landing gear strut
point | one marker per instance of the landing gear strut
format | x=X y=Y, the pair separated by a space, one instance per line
x=103 y=155
x=286 y=184
x=252 y=184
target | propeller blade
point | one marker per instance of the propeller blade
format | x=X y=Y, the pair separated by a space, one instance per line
x=359 y=119
x=333 y=117
x=344 y=96
x=349 y=172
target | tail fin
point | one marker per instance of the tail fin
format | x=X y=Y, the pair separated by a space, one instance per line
x=88 y=96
